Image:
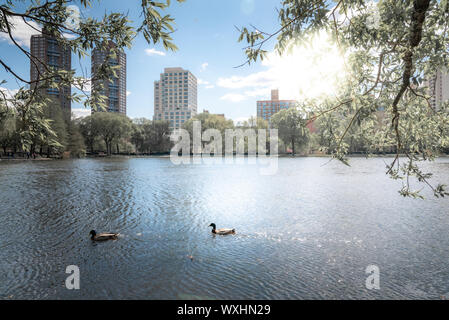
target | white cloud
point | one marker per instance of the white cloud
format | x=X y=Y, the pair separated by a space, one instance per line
x=9 y=93
x=233 y=97
x=154 y=52
x=21 y=31
x=312 y=71
x=128 y=93
x=201 y=81
x=204 y=66
x=259 y=79
x=80 y=113
x=258 y=93
x=207 y=84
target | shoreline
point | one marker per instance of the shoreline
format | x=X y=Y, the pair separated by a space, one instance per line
x=165 y=156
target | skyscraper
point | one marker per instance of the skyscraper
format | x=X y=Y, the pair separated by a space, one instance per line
x=175 y=96
x=46 y=52
x=266 y=108
x=439 y=89
x=114 y=91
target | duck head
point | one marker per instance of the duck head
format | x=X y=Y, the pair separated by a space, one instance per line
x=213 y=226
x=92 y=233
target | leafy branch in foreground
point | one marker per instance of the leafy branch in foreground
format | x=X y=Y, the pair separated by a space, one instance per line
x=80 y=38
x=389 y=48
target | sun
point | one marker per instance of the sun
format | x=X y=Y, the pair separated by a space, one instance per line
x=309 y=71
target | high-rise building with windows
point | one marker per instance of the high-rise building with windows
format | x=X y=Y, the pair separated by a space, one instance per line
x=266 y=108
x=114 y=89
x=175 y=97
x=439 y=89
x=48 y=53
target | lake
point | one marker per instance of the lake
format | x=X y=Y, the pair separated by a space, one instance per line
x=307 y=232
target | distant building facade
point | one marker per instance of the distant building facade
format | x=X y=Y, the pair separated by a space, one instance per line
x=115 y=91
x=439 y=89
x=266 y=108
x=46 y=52
x=175 y=97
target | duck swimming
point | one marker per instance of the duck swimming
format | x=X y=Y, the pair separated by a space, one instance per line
x=102 y=236
x=221 y=231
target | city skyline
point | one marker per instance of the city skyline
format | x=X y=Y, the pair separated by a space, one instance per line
x=211 y=54
x=222 y=88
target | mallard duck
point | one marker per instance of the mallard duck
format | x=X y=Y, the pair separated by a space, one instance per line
x=221 y=231
x=102 y=236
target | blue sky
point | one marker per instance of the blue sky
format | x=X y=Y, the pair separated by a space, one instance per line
x=207 y=42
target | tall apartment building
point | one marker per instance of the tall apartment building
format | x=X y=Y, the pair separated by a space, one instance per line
x=114 y=89
x=47 y=53
x=175 y=97
x=266 y=108
x=439 y=89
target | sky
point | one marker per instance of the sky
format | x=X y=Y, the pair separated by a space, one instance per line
x=206 y=36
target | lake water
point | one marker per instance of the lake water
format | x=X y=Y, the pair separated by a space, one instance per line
x=307 y=232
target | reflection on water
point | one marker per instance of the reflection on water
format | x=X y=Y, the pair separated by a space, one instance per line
x=307 y=232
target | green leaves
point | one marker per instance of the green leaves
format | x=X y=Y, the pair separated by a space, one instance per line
x=80 y=38
x=110 y=126
x=291 y=125
x=391 y=48
x=156 y=27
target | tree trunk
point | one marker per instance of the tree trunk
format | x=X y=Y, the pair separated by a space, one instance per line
x=107 y=146
x=293 y=146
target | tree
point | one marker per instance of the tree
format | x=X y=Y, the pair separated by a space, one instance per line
x=7 y=132
x=80 y=35
x=151 y=136
x=255 y=124
x=141 y=134
x=159 y=138
x=137 y=135
x=291 y=127
x=111 y=127
x=76 y=144
x=58 y=126
x=33 y=128
x=389 y=47
x=88 y=132
x=209 y=121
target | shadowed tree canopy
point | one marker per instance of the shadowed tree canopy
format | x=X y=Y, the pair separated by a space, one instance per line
x=291 y=127
x=111 y=127
x=151 y=136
